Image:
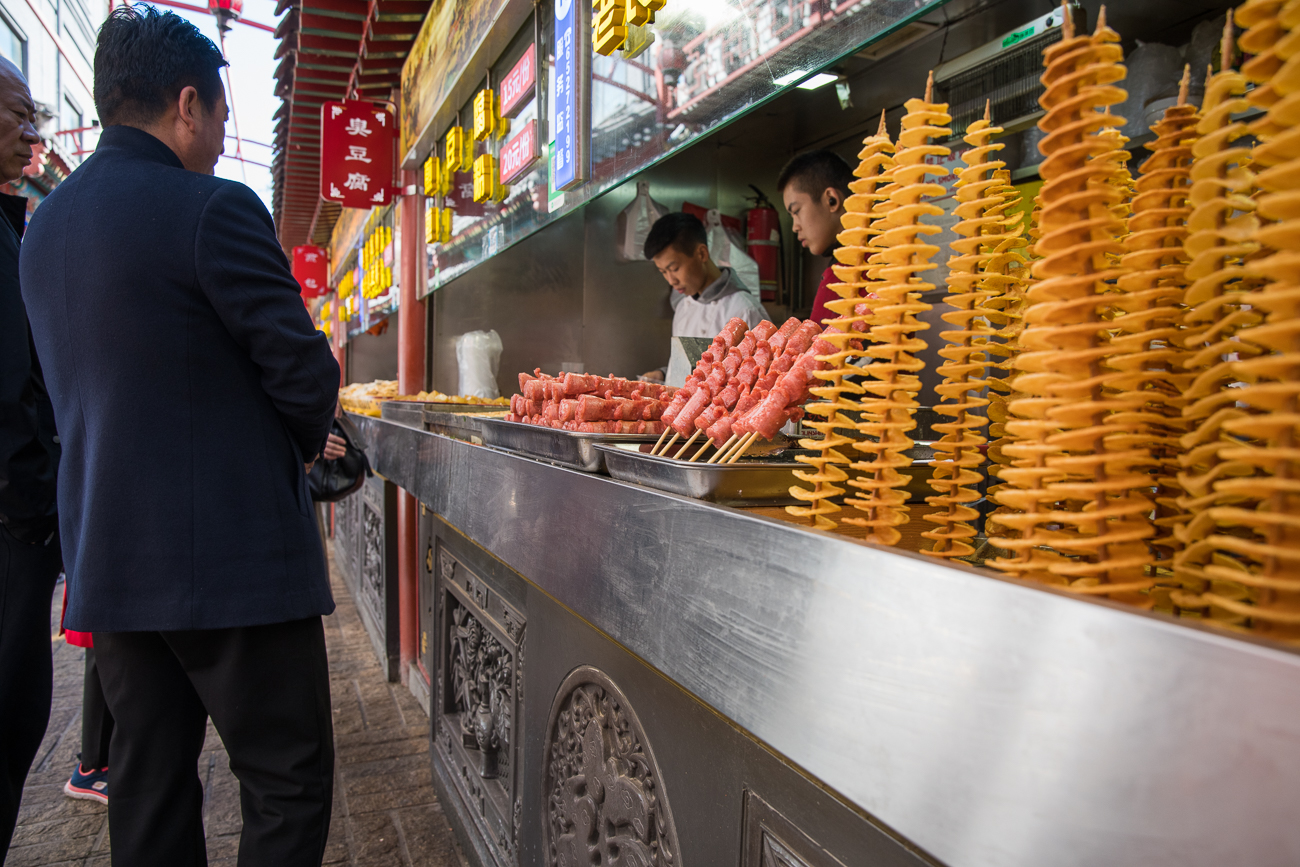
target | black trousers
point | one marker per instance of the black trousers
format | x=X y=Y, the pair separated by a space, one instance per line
x=96 y=718
x=27 y=577
x=267 y=691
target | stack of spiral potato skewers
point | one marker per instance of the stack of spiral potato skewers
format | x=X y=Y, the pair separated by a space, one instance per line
x=838 y=395
x=958 y=452
x=889 y=394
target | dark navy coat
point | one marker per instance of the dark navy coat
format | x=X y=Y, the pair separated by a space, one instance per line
x=189 y=387
x=29 y=450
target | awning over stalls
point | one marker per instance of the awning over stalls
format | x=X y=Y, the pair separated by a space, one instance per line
x=329 y=50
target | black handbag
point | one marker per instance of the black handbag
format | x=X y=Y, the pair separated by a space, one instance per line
x=331 y=481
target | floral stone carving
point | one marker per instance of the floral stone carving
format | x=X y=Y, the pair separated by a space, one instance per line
x=605 y=799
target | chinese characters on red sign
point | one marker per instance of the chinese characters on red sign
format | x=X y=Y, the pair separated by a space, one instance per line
x=356 y=165
x=519 y=153
x=311 y=269
x=517 y=86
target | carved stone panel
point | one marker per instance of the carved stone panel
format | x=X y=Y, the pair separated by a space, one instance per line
x=347 y=517
x=605 y=798
x=370 y=583
x=478 y=691
x=772 y=840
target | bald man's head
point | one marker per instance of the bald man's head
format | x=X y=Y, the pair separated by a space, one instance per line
x=17 y=122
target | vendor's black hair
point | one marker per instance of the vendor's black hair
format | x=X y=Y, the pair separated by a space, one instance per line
x=144 y=59
x=680 y=230
x=814 y=171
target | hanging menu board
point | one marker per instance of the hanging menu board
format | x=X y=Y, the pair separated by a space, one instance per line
x=572 y=125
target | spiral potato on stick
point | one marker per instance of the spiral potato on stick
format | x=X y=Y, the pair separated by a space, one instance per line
x=1255 y=541
x=889 y=393
x=835 y=393
x=1082 y=519
x=1006 y=278
x=959 y=459
x=1150 y=308
x=1220 y=241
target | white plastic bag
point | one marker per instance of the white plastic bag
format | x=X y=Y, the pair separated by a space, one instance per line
x=478 y=355
x=634 y=224
x=728 y=251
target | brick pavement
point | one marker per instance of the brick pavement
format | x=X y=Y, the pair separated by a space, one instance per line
x=385 y=811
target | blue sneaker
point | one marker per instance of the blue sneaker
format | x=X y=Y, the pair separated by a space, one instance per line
x=88 y=785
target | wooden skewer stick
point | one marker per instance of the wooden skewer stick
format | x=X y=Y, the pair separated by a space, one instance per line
x=667 y=444
x=699 y=453
x=740 y=452
x=744 y=441
x=686 y=445
x=660 y=441
x=732 y=446
x=722 y=450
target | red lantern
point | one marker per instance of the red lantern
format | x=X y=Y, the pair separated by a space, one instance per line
x=225 y=11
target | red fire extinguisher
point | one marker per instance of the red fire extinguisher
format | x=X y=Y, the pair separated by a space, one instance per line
x=763 y=241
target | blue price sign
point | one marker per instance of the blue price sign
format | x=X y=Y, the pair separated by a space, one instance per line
x=572 y=131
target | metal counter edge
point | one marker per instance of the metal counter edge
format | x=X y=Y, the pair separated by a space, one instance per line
x=987 y=721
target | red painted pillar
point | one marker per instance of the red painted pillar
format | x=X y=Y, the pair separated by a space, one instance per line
x=340 y=351
x=410 y=380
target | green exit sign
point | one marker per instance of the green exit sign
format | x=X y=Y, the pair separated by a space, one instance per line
x=1019 y=36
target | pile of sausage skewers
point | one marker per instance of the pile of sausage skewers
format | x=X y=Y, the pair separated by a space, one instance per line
x=584 y=403
x=746 y=385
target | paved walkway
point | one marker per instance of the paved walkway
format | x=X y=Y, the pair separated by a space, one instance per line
x=385 y=811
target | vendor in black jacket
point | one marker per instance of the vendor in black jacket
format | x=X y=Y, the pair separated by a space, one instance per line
x=29 y=458
x=191 y=390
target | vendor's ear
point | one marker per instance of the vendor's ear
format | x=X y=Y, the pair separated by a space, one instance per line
x=702 y=253
x=832 y=199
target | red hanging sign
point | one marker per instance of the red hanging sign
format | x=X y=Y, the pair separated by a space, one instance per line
x=356 y=153
x=519 y=153
x=311 y=270
x=517 y=86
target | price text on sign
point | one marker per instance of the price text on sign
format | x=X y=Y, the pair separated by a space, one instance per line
x=356 y=164
x=520 y=153
x=572 y=127
x=517 y=86
x=311 y=270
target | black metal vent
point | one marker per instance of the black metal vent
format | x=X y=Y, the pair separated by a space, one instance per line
x=1009 y=81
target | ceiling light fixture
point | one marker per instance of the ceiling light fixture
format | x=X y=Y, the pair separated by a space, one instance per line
x=821 y=79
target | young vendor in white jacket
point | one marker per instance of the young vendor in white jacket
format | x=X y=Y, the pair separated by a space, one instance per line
x=710 y=296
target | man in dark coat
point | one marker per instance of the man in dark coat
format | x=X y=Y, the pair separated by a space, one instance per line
x=190 y=388
x=29 y=458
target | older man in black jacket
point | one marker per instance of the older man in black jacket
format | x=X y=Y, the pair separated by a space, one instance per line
x=29 y=457
x=190 y=388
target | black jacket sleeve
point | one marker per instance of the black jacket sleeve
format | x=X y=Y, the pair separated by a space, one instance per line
x=28 y=458
x=245 y=275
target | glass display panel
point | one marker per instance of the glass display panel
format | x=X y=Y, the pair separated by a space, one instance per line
x=700 y=65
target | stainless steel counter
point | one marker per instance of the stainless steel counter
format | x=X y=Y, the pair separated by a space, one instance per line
x=985 y=721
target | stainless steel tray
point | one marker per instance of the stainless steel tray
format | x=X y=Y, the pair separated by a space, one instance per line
x=744 y=483
x=412 y=412
x=403 y=412
x=461 y=425
x=738 y=484
x=568 y=449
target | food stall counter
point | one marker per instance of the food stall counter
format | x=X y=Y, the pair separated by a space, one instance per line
x=783 y=687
